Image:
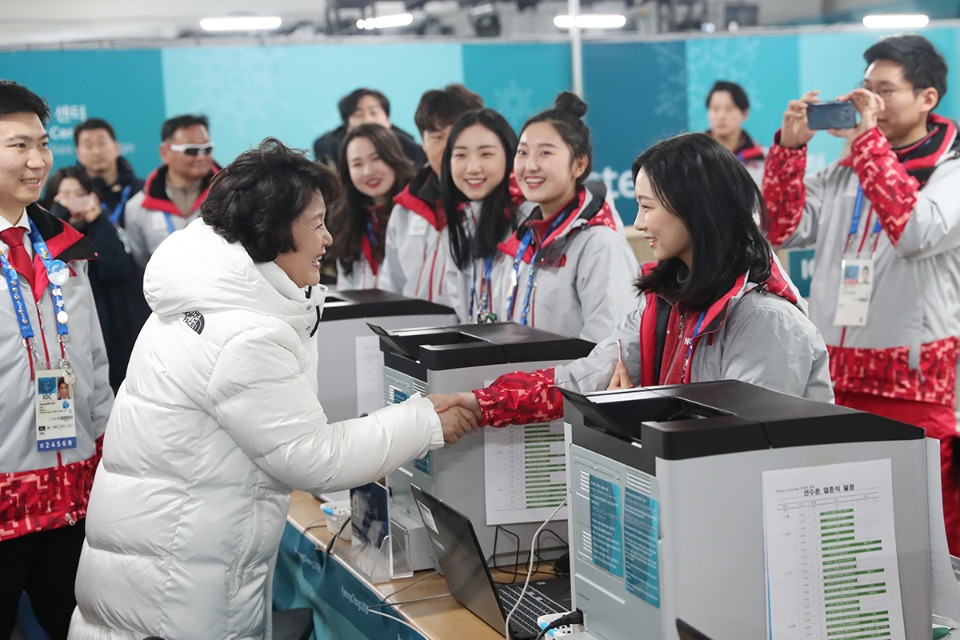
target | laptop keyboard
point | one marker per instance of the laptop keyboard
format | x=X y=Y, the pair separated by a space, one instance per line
x=534 y=604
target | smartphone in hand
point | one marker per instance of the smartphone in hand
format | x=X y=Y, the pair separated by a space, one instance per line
x=831 y=115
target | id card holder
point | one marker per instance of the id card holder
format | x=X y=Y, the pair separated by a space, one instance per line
x=856 y=285
x=55 y=410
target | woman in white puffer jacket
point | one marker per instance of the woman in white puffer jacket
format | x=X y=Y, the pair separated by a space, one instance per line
x=218 y=418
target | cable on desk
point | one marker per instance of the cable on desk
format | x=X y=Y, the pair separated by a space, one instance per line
x=555 y=570
x=415 y=600
x=516 y=562
x=417 y=581
x=313 y=523
x=396 y=619
x=333 y=540
x=574 y=617
x=526 y=583
x=536 y=549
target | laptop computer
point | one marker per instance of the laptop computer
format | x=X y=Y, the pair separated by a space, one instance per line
x=463 y=566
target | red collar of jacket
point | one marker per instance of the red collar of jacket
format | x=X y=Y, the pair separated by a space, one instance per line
x=747 y=147
x=155 y=191
x=922 y=157
x=713 y=319
x=422 y=197
x=588 y=208
x=516 y=194
x=64 y=242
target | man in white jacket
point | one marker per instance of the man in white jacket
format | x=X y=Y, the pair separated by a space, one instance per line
x=218 y=418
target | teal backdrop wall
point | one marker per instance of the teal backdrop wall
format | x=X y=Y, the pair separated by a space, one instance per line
x=638 y=91
x=125 y=87
x=291 y=92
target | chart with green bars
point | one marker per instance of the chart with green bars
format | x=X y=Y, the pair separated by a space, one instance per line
x=525 y=472
x=831 y=553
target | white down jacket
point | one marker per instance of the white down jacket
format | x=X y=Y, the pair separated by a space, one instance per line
x=217 y=420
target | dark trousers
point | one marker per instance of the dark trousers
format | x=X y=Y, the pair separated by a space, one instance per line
x=43 y=564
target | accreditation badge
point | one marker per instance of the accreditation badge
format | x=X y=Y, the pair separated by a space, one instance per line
x=56 y=414
x=856 y=285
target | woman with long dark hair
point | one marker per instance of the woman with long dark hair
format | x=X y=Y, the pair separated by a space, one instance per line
x=713 y=307
x=568 y=268
x=373 y=169
x=481 y=207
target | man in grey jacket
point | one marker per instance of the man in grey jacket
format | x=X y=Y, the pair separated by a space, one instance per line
x=890 y=209
x=48 y=333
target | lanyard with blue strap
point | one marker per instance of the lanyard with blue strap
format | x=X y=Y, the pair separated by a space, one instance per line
x=855 y=223
x=118 y=210
x=57 y=273
x=371 y=236
x=686 y=358
x=484 y=312
x=524 y=244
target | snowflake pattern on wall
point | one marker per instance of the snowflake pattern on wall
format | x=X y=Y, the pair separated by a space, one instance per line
x=250 y=74
x=733 y=59
x=672 y=89
x=514 y=102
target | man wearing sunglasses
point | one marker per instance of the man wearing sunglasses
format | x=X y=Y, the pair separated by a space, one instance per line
x=173 y=193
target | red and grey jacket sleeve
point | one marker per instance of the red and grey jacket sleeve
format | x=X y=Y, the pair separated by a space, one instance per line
x=521 y=398
x=525 y=398
x=792 y=203
x=918 y=222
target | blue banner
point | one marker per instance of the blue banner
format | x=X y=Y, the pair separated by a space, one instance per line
x=124 y=88
x=637 y=94
x=306 y=577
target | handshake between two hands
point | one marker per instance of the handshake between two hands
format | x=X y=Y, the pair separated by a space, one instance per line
x=459 y=413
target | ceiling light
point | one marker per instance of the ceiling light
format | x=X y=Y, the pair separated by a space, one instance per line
x=896 y=21
x=591 y=21
x=386 y=22
x=240 y=23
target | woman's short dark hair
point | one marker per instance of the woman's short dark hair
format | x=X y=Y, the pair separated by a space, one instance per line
x=53 y=183
x=255 y=199
x=737 y=94
x=697 y=179
x=348 y=218
x=497 y=209
x=567 y=118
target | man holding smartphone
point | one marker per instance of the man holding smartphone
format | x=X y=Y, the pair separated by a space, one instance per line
x=891 y=208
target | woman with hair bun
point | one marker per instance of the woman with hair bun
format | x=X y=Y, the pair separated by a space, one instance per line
x=568 y=268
